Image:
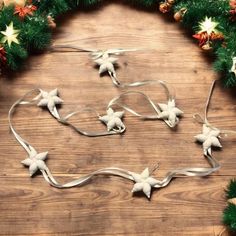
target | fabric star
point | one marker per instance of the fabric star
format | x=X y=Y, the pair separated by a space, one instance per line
x=209 y=138
x=35 y=162
x=10 y=35
x=106 y=64
x=169 y=112
x=113 y=120
x=50 y=99
x=144 y=182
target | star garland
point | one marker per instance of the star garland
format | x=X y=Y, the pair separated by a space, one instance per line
x=143 y=182
x=30 y=22
x=114 y=119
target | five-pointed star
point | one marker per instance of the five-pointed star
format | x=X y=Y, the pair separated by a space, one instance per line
x=35 y=162
x=50 y=99
x=169 y=112
x=209 y=137
x=113 y=120
x=10 y=35
x=208 y=25
x=233 y=68
x=106 y=64
x=143 y=182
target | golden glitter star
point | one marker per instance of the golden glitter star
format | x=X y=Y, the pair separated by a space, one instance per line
x=10 y=35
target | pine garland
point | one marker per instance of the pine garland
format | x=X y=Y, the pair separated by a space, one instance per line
x=35 y=27
x=229 y=217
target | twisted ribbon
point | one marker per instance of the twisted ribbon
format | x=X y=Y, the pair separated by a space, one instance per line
x=115 y=101
x=65 y=120
x=204 y=120
x=48 y=176
x=156 y=108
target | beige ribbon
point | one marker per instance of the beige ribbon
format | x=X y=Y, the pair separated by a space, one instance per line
x=204 y=120
x=179 y=172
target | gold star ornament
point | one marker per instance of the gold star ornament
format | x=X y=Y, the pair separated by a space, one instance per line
x=10 y=35
x=208 y=25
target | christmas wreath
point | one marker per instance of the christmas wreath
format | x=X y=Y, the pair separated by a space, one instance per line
x=25 y=27
x=229 y=216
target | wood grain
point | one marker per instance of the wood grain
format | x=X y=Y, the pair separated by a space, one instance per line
x=191 y=206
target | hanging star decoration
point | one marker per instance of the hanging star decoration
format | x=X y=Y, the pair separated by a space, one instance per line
x=50 y=100
x=10 y=35
x=208 y=33
x=170 y=112
x=144 y=182
x=106 y=64
x=233 y=68
x=35 y=162
x=209 y=138
x=208 y=25
x=113 y=120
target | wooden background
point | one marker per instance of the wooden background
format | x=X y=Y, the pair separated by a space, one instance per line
x=191 y=206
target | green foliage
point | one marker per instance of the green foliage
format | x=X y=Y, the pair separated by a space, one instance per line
x=229 y=217
x=231 y=190
x=52 y=7
x=35 y=33
x=146 y=3
x=15 y=56
x=197 y=10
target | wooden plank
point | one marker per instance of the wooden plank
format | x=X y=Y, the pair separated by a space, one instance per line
x=105 y=206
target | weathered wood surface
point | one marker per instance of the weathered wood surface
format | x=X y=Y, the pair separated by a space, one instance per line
x=190 y=206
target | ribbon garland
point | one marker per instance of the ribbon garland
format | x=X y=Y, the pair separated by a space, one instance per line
x=143 y=182
x=169 y=116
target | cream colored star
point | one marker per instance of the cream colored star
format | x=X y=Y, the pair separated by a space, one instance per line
x=232 y=201
x=113 y=120
x=144 y=182
x=35 y=162
x=170 y=112
x=209 y=138
x=50 y=100
x=208 y=26
x=233 y=68
x=10 y=35
x=106 y=64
